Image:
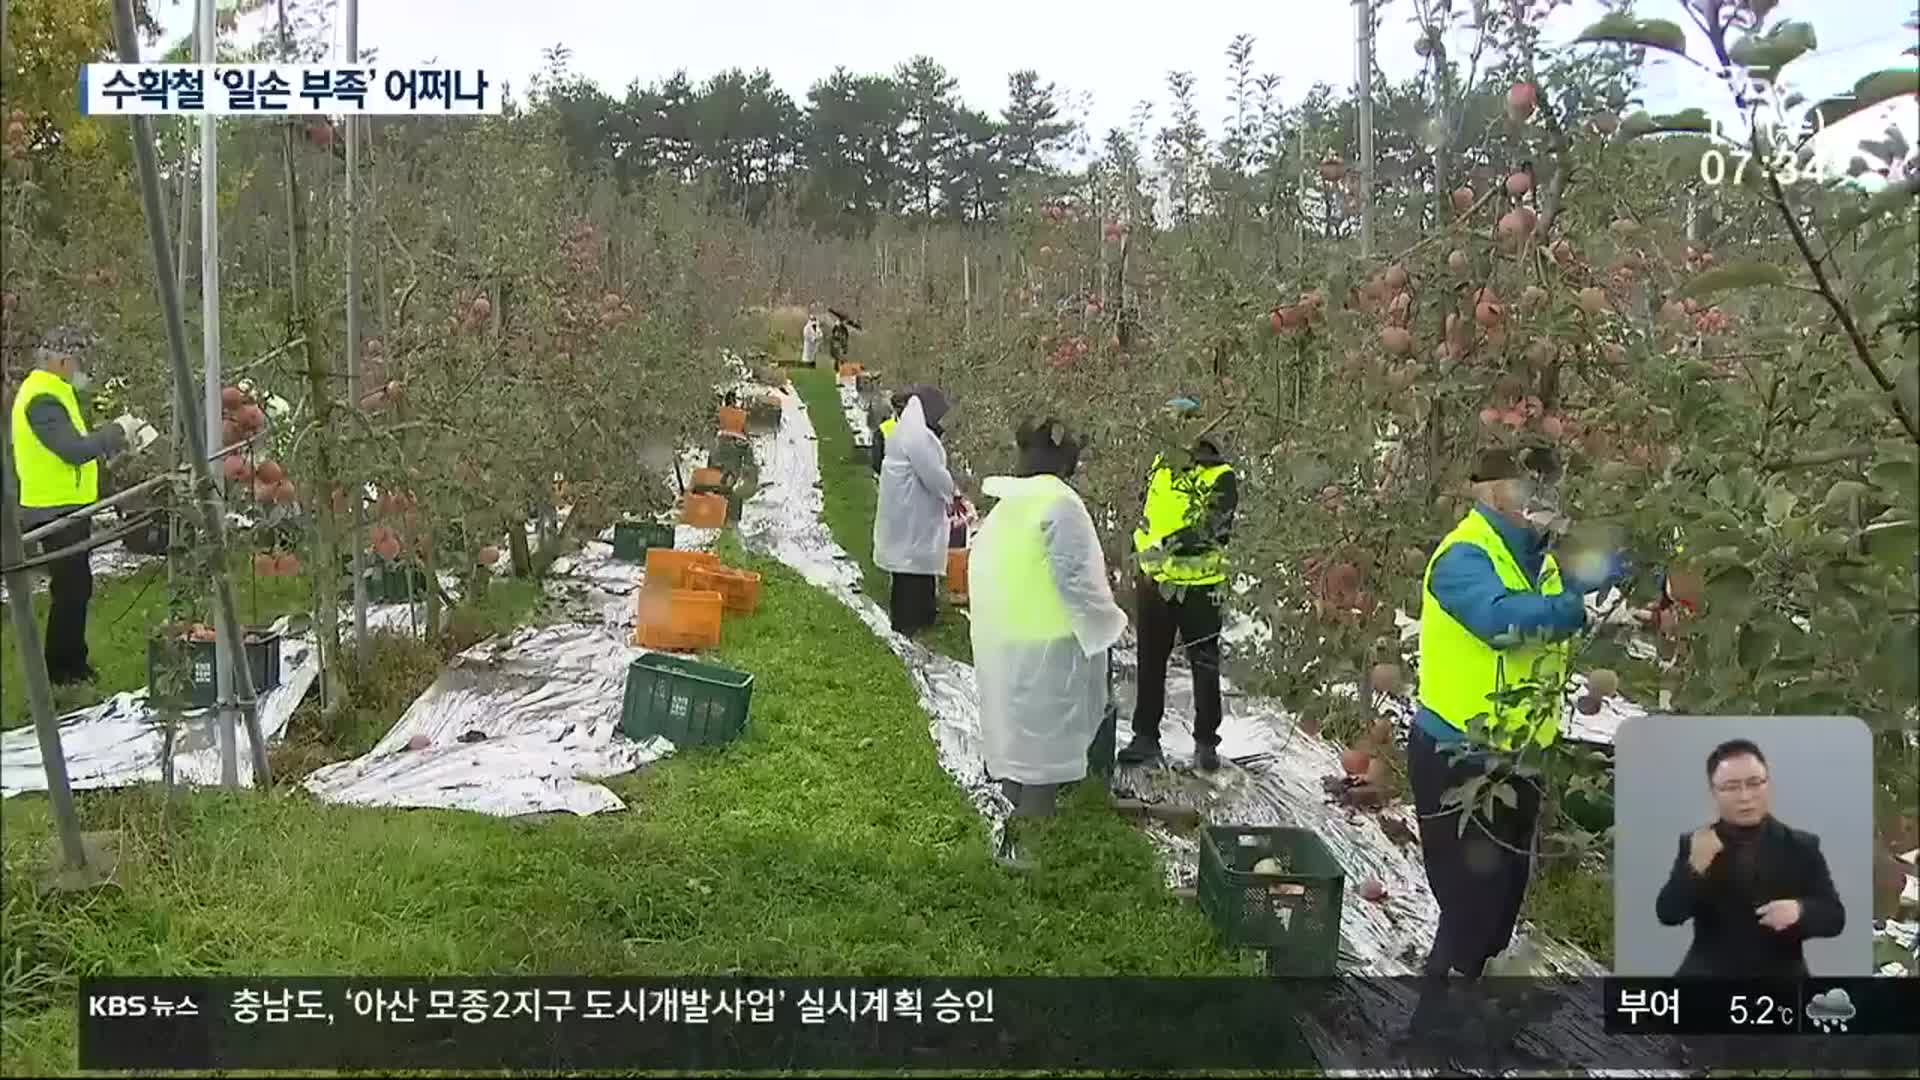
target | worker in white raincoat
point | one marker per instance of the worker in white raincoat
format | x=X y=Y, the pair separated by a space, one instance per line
x=810 y=342
x=1043 y=619
x=917 y=493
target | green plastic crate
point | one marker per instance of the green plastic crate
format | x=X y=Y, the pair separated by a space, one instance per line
x=691 y=703
x=633 y=539
x=1294 y=915
x=395 y=582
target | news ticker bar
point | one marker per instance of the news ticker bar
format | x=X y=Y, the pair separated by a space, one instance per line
x=1053 y=1023
x=285 y=90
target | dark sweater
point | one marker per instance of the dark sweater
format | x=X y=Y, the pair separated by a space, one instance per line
x=1759 y=864
x=55 y=430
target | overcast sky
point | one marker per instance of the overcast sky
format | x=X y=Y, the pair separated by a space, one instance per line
x=1109 y=62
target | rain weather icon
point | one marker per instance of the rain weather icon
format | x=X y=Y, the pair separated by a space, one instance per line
x=1830 y=1011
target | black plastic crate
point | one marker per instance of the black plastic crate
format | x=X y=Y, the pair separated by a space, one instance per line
x=688 y=702
x=151 y=538
x=1293 y=914
x=633 y=539
x=763 y=416
x=194 y=665
x=731 y=455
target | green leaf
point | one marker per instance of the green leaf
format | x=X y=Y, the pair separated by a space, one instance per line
x=1720 y=490
x=1505 y=793
x=1887 y=200
x=1756 y=647
x=1740 y=275
x=1775 y=49
x=1868 y=92
x=1780 y=504
x=1688 y=120
x=1844 y=492
x=1896 y=544
x=1813 y=699
x=1895 y=476
x=1622 y=29
x=1730 y=589
x=1892 y=668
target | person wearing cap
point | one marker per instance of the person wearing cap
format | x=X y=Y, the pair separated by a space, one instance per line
x=56 y=461
x=885 y=428
x=917 y=493
x=1496 y=613
x=1043 y=621
x=1180 y=548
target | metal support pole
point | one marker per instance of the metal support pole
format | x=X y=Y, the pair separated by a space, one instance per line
x=1363 y=85
x=360 y=638
x=205 y=49
x=33 y=661
x=212 y=508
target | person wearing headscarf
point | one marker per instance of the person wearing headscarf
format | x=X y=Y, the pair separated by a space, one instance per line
x=810 y=342
x=1186 y=522
x=917 y=494
x=898 y=404
x=56 y=462
x=1043 y=621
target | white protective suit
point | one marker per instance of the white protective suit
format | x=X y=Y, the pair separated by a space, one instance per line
x=1041 y=702
x=809 y=341
x=916 y=491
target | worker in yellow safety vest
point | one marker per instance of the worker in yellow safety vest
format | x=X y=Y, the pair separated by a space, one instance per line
x=1043 y=620
x=885 y=428
x=1180 y=551
x=1496 y=612
x=56 y=465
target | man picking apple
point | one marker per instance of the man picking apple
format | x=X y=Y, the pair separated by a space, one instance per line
x=1496 y=611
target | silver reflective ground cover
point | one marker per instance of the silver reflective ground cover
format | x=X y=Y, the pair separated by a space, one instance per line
x=118 y=742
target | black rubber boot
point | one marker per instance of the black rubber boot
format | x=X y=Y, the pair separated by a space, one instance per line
x=1207 y=758
x=1139 y=751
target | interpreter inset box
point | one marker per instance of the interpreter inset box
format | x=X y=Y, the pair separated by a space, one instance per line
x=1743 y=847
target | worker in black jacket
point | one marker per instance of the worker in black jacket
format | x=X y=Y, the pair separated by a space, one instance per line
x=1180 y=550
x=1755 y=890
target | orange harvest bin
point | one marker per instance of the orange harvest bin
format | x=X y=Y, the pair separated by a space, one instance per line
x=668 y=567
x=705 y=511
x=677 y=620
x=740 y=588
x=707 y=477
x=733 y=420
x=957 y=574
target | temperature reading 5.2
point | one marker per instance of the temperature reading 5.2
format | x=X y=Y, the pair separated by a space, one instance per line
x=1758 y=1011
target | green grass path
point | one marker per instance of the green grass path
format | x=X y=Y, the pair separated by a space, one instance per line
x=828 y=841
x=850 y=496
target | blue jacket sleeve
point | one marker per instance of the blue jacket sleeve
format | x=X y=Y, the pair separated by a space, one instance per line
x=1469 y=589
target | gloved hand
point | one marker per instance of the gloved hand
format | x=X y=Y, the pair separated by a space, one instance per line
x=1594 y=572
x=139 y=434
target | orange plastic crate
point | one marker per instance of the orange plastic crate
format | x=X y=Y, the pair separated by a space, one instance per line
x=705 y=511
x=741 y=588
x=733 y=420
x=957 y=574
x=851 y=371
x=678 y=620
x=668 y=567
